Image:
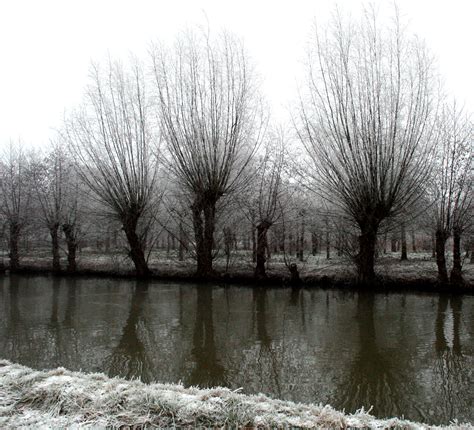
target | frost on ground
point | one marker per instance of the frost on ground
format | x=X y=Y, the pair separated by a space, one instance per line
x=60 y=398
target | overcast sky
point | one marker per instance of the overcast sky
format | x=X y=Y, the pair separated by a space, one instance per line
x=47 y=46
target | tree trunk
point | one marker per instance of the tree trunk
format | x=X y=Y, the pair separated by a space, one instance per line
x=441 y=238
x=301 y=242
x=328 y=245
x=393 y=244
x=246 y=242
x=262 y=230
x=71 y=256
x=13 y=245
x=456 y=271
x=314 y=243
x=71 y=241
x=182 y=239
x=137 y=253
x=413 y=241
x=228 y=242
x=340 y=241
x=107 y=240
x=269 y=249
x=295 y=280
x=433 y=244
x=404 y=242
x=204 y=225
x=281 y=241
x=254 y=243
x=26 y=243
x=365 y=259
x=53 y=231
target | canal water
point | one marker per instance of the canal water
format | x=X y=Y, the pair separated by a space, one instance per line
x=403 y=354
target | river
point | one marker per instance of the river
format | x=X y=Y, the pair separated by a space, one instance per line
x=404 y=354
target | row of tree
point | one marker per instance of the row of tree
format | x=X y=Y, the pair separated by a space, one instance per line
x=186 y=141
x=381 y=139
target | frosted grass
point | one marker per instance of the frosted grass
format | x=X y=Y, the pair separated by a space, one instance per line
x=60 y=398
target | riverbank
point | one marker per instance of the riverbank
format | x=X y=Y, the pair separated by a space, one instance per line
x=417 y=274
x=60 y=398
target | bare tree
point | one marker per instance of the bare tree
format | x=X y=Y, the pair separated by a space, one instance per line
x=366 y=122
x=451 y=186
x=112 y=142
x=263 y=200
x=57 y=188
x=48 y=176
x=210 y=122
x=15 y=186
x=71 y=215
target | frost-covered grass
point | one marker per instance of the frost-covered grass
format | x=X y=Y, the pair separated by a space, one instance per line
x=420 y=266
x=63 y=399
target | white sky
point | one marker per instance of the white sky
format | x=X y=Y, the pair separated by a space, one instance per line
x=46 y=46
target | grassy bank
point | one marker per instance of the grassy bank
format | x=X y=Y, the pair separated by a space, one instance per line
x=60 y=398
x=418 y=273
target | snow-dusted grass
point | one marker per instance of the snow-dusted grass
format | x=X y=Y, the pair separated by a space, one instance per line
x=419 y=267
x=63 y=399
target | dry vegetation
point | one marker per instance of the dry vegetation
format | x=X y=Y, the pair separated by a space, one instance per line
x=60 y=398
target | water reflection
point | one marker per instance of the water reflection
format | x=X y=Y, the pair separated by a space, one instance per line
x=297 y=301
x=130 y=358
x=402 y=353
x=54 y=308
x=370 y=380
x=12 y=322
x=449 y=367
x=70 y=312
x=441 y=343
x=14 y=305
x=268 y=366
x=259 y=317
x=208 y=370
x=54 y=326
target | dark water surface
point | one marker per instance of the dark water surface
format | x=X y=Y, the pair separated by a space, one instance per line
x=406 y=354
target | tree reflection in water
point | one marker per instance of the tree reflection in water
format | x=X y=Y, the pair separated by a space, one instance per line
x=453 y=383
x=13 y=321
x=207 y=370
x=72 y=348
x=129 y=359
x=259 y=315
x=297 y=302
x=54 y=326
x=373 y=377
x=402 y=353
x=269 y=358
x=14 y=308
x=70 y=312
x=53 y=322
